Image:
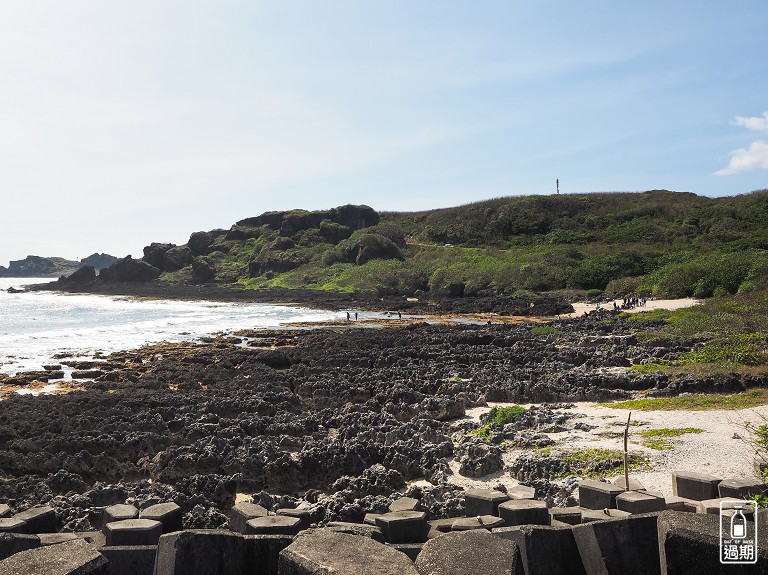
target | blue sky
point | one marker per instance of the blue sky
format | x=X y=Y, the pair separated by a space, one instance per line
x=123 y=123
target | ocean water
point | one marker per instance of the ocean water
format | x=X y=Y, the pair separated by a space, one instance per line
x=35 y=326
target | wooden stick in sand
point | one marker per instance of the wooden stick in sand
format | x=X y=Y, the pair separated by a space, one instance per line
x=626 y=457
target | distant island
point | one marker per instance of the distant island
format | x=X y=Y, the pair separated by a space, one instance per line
x=43 y=267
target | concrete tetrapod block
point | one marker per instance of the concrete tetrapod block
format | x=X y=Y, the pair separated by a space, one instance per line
x=524 y=512
x=483 y=502
x=5 y=511
x=169 y=514
x=404 y=504
x=698 y=486
x=636 y=502
x=736 y=488
x=70 y=558
x=13 y=525
x=119 y=513
x=403 y=526
x=598 y=494
x=521 y=492
x=690 y=545
x=480 y=522
x=625 y=546
x=545 y=550
x=12 y=543
x=242 y=512
x=361 y=529
x=675 y=503
x=39 y=519
x=303 y=515
x=322 y=551
x=263 y=552
x=273 y=525
x=133 y=532
x=411 y=550
x=130 y=559
x=634 y=484
x=201 y=552
x=590 y=515
x=569 y=515
x=469 y=553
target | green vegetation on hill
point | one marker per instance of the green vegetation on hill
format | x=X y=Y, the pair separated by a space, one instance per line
x=662 y=243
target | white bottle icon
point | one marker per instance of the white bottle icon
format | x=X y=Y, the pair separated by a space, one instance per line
x=738 y=524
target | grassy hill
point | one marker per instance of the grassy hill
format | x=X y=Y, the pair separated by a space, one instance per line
x=658 y=242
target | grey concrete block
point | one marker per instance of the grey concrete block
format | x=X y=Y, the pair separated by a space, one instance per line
x=201 y=552
x=242 y=512
x=524 y=512
x=403 y=526
x=545 y=549
x=119 y=513
x=70 y=558
x=263 y=553
x=691 y=485
x=483 y=502
x=303 y=515
x=5 y=511
x=741 y=488
x=361 y=529
x=626 y=546
x=39 y=519
x=133 y=532
x=521 y=492
x=410 y=550
x=13 y=525
x=590 y=515
x=321 y=551
x=169 y=514
x=12 y=543
x=598 y=494
x=690 y=545
x=675 y=503
x=469 y=553
x=439 y=526
x=479 y=522
x=130 y=559
x=568 y=515
x=56 y=538
x=273 y=525
x=636 y=502
x=404 y=504
x=370 y=518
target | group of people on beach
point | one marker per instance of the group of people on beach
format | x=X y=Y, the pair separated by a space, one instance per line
x=386 y=313
x=630 y=302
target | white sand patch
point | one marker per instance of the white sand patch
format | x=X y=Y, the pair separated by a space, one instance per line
x=651 y=304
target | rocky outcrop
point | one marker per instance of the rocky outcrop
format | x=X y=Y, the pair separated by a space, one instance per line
x=81 y=277
x=36 y=266
x=290 y=222
x=129 y=270
x=98 y=261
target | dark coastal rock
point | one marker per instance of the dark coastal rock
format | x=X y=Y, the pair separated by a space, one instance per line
x=199 y=242
x=202 y=270
x=81 y=277
x=129 y=270
x=474 y=552
x=154 y=253
x=176 y=258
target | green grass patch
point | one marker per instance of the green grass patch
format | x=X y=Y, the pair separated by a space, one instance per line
x=545 y=330
x=696 y=402
x=497 y=417
x=660 y=438
x=595 y=463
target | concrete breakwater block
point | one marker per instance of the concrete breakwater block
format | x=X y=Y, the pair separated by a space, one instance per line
x=12 y=543
x=404 y=504
x=524 y=512
x=598 y=494
x=242 y=512
x=737 y=488
x=483 y=501
x=169 y=514
x=322 y=551
x=568 y=515
x=303 y=515
x=675 y=503
x=545 y=550
x=521 y=492
x=360 y=529
x=119 y=513
x=133 y=532
x=70 y=558
x=201 y=552
x=590 y=515
x=130 y=559
x=469 y=553
x=691 y=485
x=263 y=553
x=13 y=525
x=636 y=502
x=480 y=522
x=5 y=511
x=690 y=545
x=39 y=519
x=273 y=525
x=634 y=484
x=403 y=526
x=628 y=546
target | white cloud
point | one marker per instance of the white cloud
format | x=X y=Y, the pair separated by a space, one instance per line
x=746 y=159
x=756 y=124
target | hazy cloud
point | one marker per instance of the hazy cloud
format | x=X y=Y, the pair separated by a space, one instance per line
x=756 y=124
x=754 y=157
